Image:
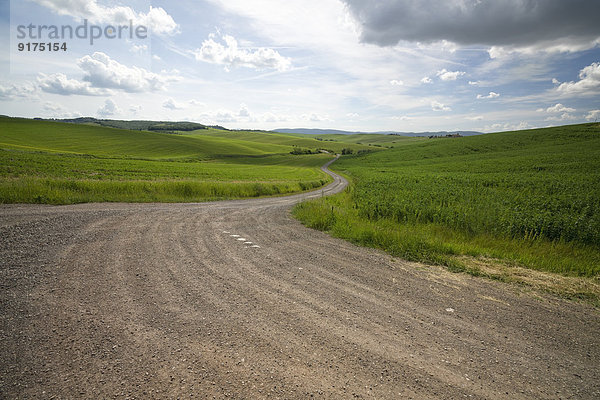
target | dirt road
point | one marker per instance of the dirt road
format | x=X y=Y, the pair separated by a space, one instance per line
x=238 y=300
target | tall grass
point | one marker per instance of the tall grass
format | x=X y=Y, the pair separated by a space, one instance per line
x=63 y=191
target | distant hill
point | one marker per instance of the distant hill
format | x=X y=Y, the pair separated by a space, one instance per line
x=307 y=131
x=157 y=126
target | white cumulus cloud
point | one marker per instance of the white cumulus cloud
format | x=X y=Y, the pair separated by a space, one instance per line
x=396 y=82
x=109 y=108
x=197 y=103
x=244 y=112
x=156 y=19
x=507 y=127
x=593 y=115
x=59 y=83
x=558 y=108
x=560 y=117
x=587 y=85
x=491 y=95
x=138 y=49
x=56 y=110
x=437 y=106
x=171 y=104
x=558 y=112
x=231 y=55
x=104 y=72
x=426 y=79
x=12 y=91
x=101 y=75
x=315 y=117
x=243 y=115
x=446 y=75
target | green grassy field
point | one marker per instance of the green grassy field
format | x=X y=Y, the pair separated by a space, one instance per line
x=273 y=138
x=370 y=139
x=528 y=199
x=111 y=142
x=60 y=163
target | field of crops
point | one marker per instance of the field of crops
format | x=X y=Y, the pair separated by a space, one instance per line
x=531 y=198
x=60 y=163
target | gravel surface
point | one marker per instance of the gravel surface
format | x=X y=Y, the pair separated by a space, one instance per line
x=238 y=300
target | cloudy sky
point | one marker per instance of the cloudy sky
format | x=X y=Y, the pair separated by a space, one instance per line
x=402 y=65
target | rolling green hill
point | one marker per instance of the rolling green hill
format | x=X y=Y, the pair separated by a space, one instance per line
x=111 y=142
x=272 y=138
x=527 y=198
x=370 y=139
x=204 y=144
x=54 y=162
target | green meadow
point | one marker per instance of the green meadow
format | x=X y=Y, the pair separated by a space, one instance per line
x=369 y=139
x=527 y=199
x=62 y=163
x=263 y=139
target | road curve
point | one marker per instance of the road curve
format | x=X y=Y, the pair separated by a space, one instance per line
x=236 y=299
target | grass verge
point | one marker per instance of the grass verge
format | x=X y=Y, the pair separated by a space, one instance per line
x=528 y=262
x=64 y=191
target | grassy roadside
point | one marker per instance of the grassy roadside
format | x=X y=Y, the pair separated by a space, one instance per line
x=519 y=207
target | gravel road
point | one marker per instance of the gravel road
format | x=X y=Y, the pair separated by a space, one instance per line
x=237 y=300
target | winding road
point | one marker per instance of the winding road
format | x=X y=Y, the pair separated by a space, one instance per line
x=236 y=299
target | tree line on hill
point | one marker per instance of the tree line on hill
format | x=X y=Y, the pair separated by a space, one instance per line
x=155 y=126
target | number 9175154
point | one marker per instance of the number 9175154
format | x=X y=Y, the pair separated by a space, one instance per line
x=42 y=46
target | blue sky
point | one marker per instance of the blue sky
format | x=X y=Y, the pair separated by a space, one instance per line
x=403 y=65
